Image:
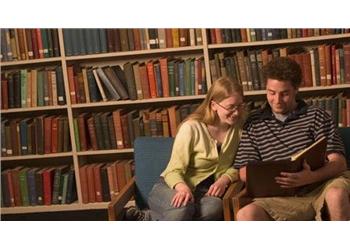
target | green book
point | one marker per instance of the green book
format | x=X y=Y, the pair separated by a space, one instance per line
x=76 y=133
x=23 y=185
x=63 y=191
x=24 y=87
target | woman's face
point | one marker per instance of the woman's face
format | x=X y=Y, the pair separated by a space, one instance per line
x=229 y=110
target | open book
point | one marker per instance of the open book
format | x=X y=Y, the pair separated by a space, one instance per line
x=261 y=174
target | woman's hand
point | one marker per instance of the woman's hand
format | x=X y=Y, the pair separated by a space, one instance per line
x=183 y=195
x=219 y=186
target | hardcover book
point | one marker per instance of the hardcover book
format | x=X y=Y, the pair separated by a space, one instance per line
x=261 y=174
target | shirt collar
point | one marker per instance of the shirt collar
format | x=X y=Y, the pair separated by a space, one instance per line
x=266 y=112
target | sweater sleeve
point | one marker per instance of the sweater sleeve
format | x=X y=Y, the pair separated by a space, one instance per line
x=180 y=156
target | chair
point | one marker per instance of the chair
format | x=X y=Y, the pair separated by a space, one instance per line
x=151 y=156
x=241 y=199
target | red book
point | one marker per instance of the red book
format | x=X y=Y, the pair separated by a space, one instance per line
x=35 y=43
x=82 y=132
x=71 y=84
x=84 y=184
x=39 y=42
x=54 y=134
x=164 y=74
x=47 y=134
x=98 y=184
x=169 y=38
x=137 y=39
x=91 y=183
x=92 y=133
x=10 y=187
x=346 y=48
x=118 y=128
x=4 y=93
x=151 y=79
x=144 y=81
x=48 y=175
x=120 y=166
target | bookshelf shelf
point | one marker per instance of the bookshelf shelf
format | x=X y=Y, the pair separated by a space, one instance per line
x=145 y=101
x=106 y=152
x=74 y=110
x=279 y=42
x=22 y=110
x=31 y=157
x=134 y=53
x=57 y=208
x=30 y=62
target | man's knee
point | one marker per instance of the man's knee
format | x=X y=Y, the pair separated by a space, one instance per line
x=252 y=212
x=335 y=196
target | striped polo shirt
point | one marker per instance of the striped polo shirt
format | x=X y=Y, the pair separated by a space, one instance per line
x=266 y=138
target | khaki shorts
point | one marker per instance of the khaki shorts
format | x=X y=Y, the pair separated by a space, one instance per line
x=307 y=206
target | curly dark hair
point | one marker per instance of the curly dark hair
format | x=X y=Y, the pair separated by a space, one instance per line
x=283 y=69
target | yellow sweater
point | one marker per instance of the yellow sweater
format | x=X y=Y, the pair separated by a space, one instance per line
x=195 y=157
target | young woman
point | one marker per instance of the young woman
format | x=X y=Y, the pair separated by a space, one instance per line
x=200 y=167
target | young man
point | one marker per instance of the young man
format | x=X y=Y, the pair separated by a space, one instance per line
x=282 y=128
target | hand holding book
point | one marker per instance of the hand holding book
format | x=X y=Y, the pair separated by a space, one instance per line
x=298 y=179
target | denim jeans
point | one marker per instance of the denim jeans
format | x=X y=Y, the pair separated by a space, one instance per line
x=203 y=207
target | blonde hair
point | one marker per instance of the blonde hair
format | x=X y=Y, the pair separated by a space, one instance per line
x=221 y=89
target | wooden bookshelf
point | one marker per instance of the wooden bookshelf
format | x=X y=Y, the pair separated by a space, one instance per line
x=75 y=157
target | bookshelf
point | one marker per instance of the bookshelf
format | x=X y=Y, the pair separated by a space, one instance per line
x=72 y=110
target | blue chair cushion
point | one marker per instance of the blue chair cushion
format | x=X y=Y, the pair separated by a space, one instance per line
x=151 y=156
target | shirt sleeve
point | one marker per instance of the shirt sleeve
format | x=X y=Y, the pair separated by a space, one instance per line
x=232 y=174
x=180 y=156
x=325 y=126
x=247 y=149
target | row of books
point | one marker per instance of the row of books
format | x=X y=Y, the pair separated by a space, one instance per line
x=323 y=65
x=100 y=182
x=37 y=135
x=337 y=106
x=32 y=88
x=219 y=36
x=137 y=80
x=32 y=186
x=26 y=44
x=92 y=41
x=118 y=129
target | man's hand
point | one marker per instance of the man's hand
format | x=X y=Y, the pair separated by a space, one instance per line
x=301 y=178
x=183 y=195
x=219 y=186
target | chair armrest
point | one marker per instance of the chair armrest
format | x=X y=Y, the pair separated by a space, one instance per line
x=240 y=200
x=231 y=192
x=117 y=204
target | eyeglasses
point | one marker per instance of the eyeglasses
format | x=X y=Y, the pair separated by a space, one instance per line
x=233 y=108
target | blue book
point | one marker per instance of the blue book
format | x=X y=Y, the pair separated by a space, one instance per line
x=158 y=78
x=89 y=44
x=61 y=96
x=23 y=127
x=95 y=95
x=81 y=40
x=31 y=174
x=68 y=42
x=103 y=40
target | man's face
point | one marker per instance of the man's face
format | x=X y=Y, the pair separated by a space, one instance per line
x=281 y=96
